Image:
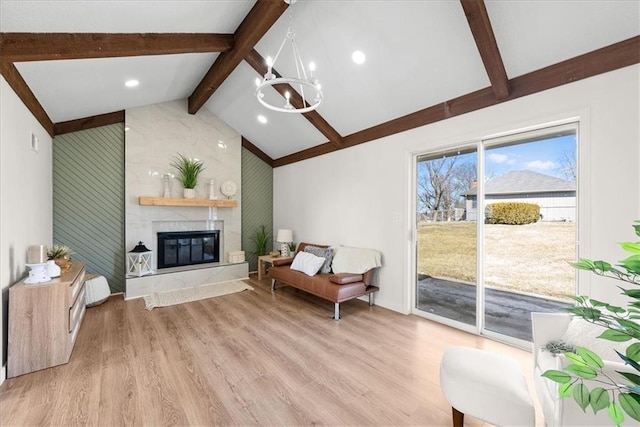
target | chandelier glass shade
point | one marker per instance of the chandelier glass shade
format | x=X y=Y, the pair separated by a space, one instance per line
x=306 y=86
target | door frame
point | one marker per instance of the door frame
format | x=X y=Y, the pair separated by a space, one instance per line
x=582 y=121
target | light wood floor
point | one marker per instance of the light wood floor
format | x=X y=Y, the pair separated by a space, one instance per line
x=252 y=358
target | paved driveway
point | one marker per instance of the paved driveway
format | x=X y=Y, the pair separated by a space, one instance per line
x=507 y=312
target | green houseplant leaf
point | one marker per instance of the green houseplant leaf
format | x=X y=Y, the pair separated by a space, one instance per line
x=581 y=396
x=564 y=390
x=615 y=335
x=557 y=376
x=615 y=413
x=589 y=357
x=582 y=371
x=633 y=352
x=631 y=405
x=599 y=399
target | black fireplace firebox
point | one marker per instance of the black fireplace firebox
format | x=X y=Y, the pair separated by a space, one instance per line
x=180 y=248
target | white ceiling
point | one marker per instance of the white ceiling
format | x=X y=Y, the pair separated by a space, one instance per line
x=419 y=53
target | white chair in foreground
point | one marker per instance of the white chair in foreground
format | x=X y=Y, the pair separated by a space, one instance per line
x=487 y=386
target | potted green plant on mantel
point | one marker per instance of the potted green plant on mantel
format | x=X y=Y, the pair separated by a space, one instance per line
x=622 y=325
x=189 y=170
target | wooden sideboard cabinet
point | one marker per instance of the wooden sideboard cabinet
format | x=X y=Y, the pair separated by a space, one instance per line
x=44 y=320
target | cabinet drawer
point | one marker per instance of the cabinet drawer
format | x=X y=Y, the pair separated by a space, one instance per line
x=76 y=312
x=76 y=328
x=76 y=286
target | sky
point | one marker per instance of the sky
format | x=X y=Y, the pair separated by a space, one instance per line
x=546 y=156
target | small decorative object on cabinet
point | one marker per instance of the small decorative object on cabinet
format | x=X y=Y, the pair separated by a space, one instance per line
x=37 y=273
x=37 y=254
x=53 y=269
x=228 y=188
x=139 y=261
x=188 y=169
x=44 y=321
x=60 y=254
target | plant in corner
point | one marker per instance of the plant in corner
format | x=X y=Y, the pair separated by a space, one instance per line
x=260 y=239
x=189 y=170
x=622 y=325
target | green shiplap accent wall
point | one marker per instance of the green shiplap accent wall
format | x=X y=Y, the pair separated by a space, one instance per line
x=257 y=201
x=88 y=199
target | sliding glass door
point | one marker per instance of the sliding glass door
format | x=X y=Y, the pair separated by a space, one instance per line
x=490 y=251
x=447 y=235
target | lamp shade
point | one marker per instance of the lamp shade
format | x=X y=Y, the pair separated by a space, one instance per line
x=284 y=236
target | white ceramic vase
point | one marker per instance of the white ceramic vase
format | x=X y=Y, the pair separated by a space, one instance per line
x=53 y=270
x=189 y=193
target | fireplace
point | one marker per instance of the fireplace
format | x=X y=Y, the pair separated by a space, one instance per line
x=180 y=248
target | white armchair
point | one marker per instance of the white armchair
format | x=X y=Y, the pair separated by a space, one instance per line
x=556 y=327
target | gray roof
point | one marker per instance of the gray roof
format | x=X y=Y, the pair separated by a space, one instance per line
x=517 y=182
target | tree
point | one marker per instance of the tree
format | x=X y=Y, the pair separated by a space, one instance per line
x=441 y=182
x=567 y=162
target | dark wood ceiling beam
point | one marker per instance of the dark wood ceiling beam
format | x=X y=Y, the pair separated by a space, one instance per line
x=257 y=152
x=480 y=25
x=309 y=153
x=91 y=122
x=20 y=47
x=258 y=63
x=610 y=58
x=19 y=86
x=255 y=25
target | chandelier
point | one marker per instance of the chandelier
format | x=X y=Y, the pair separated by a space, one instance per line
x=309 y=100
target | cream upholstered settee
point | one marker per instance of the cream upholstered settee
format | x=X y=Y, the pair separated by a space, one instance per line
x=562 y=327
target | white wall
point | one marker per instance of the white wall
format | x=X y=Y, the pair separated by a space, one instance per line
x=25 y=195
x=361 y=196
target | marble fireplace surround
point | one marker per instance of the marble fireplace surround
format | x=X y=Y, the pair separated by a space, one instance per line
x=155 y=135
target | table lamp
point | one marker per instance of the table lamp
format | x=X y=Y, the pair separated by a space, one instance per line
x=284 y=237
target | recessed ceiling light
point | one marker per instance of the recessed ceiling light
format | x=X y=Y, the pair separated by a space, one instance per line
x=262 y=119
x=358 y=57
x=131 y=83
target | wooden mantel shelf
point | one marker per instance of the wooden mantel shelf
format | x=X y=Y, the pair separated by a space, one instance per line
x=164 y=201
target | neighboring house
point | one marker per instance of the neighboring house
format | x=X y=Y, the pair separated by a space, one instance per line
x=555 y=196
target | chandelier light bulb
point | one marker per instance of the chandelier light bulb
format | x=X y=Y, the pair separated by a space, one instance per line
x=258 y=81
x=269 y=61
x=287 y=95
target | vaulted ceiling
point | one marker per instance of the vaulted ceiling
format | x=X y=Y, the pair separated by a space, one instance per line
x=426 y=60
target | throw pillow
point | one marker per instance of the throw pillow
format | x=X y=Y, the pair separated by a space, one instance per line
x=585 y=334
x=307 y=263
x=326 y=253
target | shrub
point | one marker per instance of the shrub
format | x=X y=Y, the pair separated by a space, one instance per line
x=512 y=213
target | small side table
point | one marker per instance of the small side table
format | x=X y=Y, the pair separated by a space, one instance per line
x=264 y=259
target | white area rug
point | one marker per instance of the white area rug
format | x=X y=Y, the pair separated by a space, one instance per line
x=180 y=296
